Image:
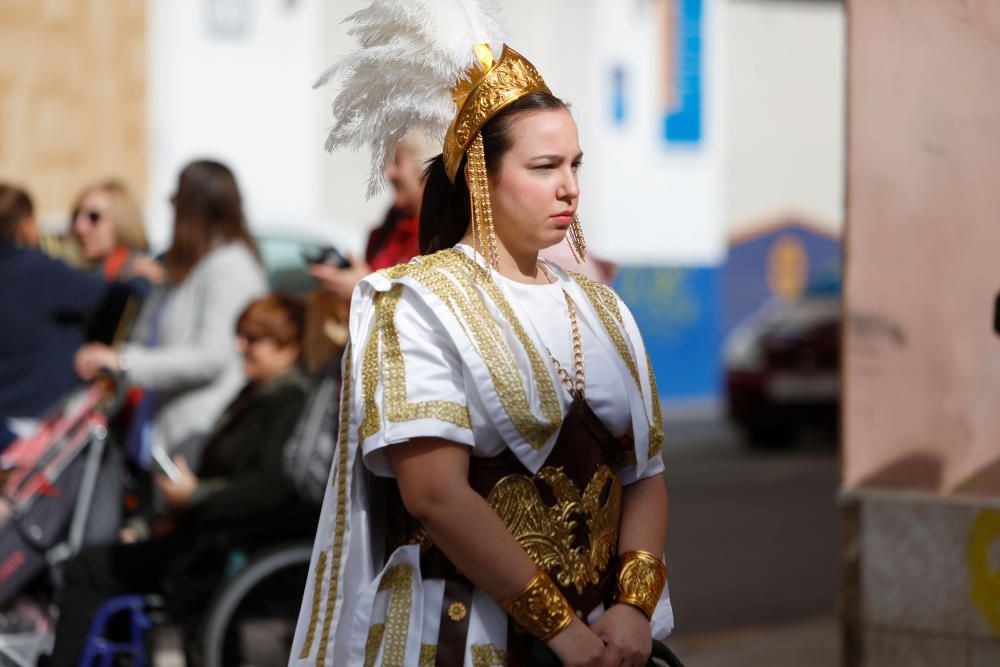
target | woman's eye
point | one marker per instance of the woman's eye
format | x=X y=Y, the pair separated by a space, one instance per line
x=544 y=166
x=577 y=165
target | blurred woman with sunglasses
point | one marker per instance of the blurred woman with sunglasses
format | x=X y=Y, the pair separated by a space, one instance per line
x=107 y=226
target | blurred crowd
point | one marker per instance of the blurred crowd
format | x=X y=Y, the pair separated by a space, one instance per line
x=217 y=432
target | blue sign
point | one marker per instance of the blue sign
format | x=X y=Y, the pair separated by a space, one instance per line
x=682 y=124
x=618 y=111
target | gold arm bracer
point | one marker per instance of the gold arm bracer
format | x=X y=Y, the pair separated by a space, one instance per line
x=641 y=578
x=540 y=607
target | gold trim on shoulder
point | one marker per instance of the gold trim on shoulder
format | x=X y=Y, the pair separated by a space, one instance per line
x=605 y=304
x=398 y=409
x=455 y=280
x=487 y=91
x=392 y=363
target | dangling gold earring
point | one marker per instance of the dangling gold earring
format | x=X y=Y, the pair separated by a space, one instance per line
x=577 y=244
x=484 y=239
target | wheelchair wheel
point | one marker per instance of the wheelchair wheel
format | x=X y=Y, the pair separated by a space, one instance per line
x=251 y=621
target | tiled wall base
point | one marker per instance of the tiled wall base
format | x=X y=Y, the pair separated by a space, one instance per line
x=921 y=581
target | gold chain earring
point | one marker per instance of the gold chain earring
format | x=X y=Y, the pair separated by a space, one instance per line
x=484 y=239
x=577 y=244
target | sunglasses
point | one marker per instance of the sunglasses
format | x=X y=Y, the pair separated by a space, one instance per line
x=249 y=337
x=93 y=216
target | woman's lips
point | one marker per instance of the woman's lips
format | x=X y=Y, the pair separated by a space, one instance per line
x=563 y=219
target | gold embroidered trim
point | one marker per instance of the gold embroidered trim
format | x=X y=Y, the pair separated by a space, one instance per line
x=488 y=655
x=547 y=532
x=371 y=421
x=605 y=304
x=314 y=614
x=396 y=406
x=338 y=476
x=428 y=655
x=399 y=580
x=510 y=79
x=453 y=278
x=373 y=643
x=656 y=428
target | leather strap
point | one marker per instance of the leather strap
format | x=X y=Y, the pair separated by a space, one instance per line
x=456 y=607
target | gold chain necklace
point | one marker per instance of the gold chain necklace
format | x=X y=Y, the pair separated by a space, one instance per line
x=577 y=384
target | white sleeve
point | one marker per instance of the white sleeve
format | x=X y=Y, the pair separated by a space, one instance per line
x=630 y=475
x=410 y=378
x=230 y=280
x=653 y=437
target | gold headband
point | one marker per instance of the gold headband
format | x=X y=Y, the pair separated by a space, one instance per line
x=485 y=94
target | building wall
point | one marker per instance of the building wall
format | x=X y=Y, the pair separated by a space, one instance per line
x=922 y=360
x=72 y=97
x=784 y=113
x=231 y=80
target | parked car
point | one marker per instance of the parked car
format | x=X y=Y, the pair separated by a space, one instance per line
x=284 y=250
x=782 y=369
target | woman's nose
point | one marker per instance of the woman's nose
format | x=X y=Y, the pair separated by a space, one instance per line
x=569 y=189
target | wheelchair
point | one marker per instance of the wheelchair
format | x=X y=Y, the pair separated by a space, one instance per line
x=241 y=610
x=254 y=613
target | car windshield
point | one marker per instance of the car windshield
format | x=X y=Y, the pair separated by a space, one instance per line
x=286 y=267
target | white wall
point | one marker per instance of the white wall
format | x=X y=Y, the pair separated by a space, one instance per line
x=246 y=101
x=784 y=116
x=654 y=203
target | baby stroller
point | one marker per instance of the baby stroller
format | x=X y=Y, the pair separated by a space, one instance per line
x=47 y=483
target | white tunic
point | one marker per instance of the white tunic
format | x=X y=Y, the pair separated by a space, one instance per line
x=439 y=348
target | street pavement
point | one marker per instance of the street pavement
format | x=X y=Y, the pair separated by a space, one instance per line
x=752 y=548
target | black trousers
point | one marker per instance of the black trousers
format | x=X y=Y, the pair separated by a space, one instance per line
x=174 y=566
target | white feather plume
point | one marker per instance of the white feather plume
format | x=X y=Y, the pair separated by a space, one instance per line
x=412 y=54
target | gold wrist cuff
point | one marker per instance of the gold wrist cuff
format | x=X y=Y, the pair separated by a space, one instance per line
x=641 y=578
x=540 y=607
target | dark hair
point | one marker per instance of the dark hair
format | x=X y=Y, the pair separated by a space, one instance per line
x=207 y=209
x=444 y=213
x=15 y=207
x=278 y=316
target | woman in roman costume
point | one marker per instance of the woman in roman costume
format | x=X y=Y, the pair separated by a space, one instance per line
x=497 y=491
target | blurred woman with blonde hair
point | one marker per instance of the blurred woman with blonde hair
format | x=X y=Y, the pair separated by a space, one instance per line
x=107 y=225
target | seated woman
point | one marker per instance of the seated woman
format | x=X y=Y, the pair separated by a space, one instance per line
x=241 y=472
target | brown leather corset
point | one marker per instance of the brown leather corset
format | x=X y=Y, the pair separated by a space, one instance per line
x=566 y=516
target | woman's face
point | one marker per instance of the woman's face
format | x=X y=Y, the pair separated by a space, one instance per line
x=534 y=191
x=263 y=358
x=93 y=228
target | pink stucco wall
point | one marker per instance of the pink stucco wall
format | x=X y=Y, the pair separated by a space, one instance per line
x=922 y=365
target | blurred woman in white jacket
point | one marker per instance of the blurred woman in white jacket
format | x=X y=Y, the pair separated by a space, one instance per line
x=183 y=355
